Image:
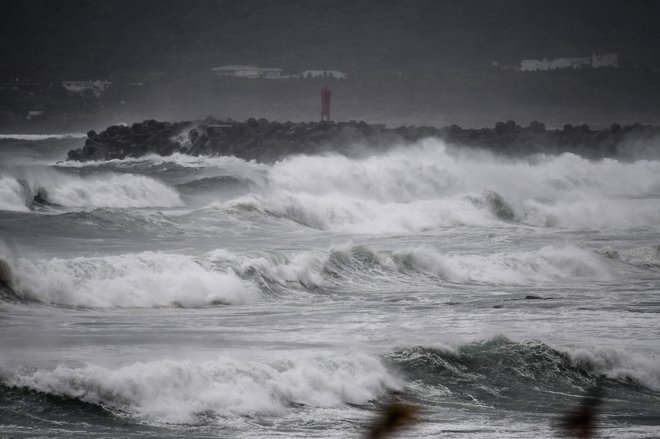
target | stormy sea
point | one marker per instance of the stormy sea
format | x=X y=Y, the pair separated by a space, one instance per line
x=201 y=297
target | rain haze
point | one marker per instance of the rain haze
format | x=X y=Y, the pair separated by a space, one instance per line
x=368 y=219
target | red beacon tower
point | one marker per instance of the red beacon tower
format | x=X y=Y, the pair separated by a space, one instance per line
x=325 y=103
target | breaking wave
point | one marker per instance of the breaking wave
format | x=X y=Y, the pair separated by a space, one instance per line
x=43 y=136
x=498 y=372
x=428 y=186
x=500 y=367
x=349 y=264
x=412 y=189
x=175 y=162
x=343 y=213
x=647 y=257
x=131 y=280
x=106 y=190
x=218 y=183
x=185 y=392
x=13 y=195
x=153 y=279
x=113 y=191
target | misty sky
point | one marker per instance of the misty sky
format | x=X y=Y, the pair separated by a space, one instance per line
x=46 y=39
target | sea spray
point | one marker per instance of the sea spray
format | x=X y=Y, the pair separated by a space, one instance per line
x=146 y=279
x=68 y=190
x=111 y=190
x=350 y=264
x=184 y=392
x=428 y=186
x=13 y=196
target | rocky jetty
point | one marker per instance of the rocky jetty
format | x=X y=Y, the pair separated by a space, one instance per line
x=268 y=141
x=121 y=141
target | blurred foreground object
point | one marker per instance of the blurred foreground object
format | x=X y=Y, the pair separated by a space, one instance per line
x=393 y=417
x=582 y=422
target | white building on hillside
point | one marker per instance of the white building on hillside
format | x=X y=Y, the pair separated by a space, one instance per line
x=545 y=64
x=332 y=74
x=570 y=63
x=251 y=72
x=595 y=61
x=530 y=65
x=604 y=60
x=82 y=88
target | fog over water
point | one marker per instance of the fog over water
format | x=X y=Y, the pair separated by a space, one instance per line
x=415 y=62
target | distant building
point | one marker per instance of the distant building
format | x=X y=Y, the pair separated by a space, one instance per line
x=270 y=73
x=545 y=64
x=333 y=74
x=572 y=63
x=34 y=114
x=251 y=72
x=82 y=88
x=530 y=65
x=595 y=61
x=605 y=60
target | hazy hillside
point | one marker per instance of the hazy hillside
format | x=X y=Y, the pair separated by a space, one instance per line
x=409 y=62
x=109 y=38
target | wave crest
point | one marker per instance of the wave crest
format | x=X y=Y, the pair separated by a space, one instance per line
x=13 y=196
x=184 y=392
x=111 y=190
x=501 y=367
x=107 y=190
x=132 y=280
x=429 y=186
x=350 y=264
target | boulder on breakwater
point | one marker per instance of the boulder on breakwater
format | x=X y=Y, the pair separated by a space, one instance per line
x=268 y=141
x=121 y=141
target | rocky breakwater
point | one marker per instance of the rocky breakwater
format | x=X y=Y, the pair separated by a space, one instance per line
x=268 y=141
x=261 y=140
x=508 y=138
x=121 y=141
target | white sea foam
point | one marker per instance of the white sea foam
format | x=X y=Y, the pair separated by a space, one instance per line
x=343 y=213
x=548 y=264
x=12 y=195
x=644 y=257
x=304 y=268
x=43 y=136
x=428 y=186
x=113 y=190
x=183 y=391
x=348 y=263
x=621 y=365
x=183 y=160
x=131 y=280
x=153 y=279
x=104 y=190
